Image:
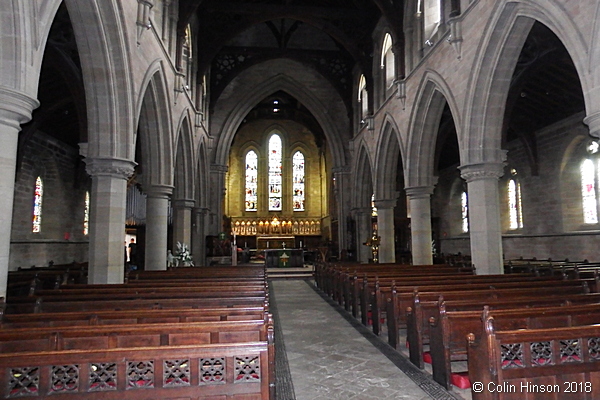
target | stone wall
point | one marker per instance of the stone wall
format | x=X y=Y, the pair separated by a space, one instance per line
x=551 y=200
x=65 y=181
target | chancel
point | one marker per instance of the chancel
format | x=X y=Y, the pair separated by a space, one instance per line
x=380 y=155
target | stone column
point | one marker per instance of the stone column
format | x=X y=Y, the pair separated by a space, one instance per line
x=342 y=187
x=217 y=196
x=107 y=218
x=182 y=221
x=484 y=216
x=386 y=230
x=364 y=231
x=157 y=219
x=420 y=224
x=198 y=239
x=15 y=109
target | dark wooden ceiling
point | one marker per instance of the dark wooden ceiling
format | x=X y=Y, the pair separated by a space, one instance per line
x=348 y=23
x=545 y=88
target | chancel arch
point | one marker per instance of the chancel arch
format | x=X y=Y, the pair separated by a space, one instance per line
x=276 y=192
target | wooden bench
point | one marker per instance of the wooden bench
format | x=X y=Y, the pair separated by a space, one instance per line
x=404 y=295
x=106 y=317
x=417 y=327
x=238 y=370
x=517 y=364
x=450 y=329
x=421 y=313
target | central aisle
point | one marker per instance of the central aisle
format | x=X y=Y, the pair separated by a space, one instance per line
x=330 y=358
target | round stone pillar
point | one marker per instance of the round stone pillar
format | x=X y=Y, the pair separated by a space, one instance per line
x=107 y=218
x=484 y=216
x=15 y=109
x=386 y=230
x=364 y=230
x=182 y=221
x=157 y=220
x=420 y=224
x=198 y=245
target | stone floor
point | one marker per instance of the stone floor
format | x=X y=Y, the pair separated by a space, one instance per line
x=332 y=356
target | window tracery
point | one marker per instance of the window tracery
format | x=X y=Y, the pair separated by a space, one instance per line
x=275 y=176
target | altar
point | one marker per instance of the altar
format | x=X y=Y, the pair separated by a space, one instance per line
x=293 y=258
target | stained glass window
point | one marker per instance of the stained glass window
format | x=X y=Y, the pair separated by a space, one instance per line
x=37 y=205
x=465 y=212
x=275 y=179
x=588 y=192
x=251 y=180
x=298 y=180
x=514 y=204
x=86 y=214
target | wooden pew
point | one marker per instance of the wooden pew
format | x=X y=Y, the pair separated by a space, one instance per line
x=421 y=313
x=404 y=294
x=450 y=328
x=78 y=337
x=417 y=327
x=107 y=317
x=243 y=370
x=518 y=364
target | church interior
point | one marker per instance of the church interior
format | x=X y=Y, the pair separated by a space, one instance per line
x=327 y=136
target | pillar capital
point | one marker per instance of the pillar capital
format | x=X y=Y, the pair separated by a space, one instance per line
x=419 y=192
x=593 y=122
x=482 y=171
x=385 y=203
x=218 y=168
x=112 y=167
x=159 y=191
x=16 y=107
x=183 y=203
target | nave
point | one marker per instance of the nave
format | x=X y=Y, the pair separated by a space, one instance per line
x=330 y=356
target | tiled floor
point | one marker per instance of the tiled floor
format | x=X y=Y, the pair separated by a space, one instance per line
x=332 y=356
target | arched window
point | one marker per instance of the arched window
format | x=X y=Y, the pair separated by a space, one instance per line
x=86 y=214
x=515 y=210
x=298 y=180
x=588 y=191
x=187 y=55
x=387 y=60
x=275 y=177
x=37 y=205
x=465 y=212
x=363 y=97
x=251 y=180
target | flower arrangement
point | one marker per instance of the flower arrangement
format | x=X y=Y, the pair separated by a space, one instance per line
x=183 y=256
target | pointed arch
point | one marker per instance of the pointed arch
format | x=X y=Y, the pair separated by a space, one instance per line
x=154 y=129
x=184 y=161
x=497 y=56
x=389 y=150
x=433 y=94
x=324 y=103
x=202 y=173
x=362 y=179
x=104 y=53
